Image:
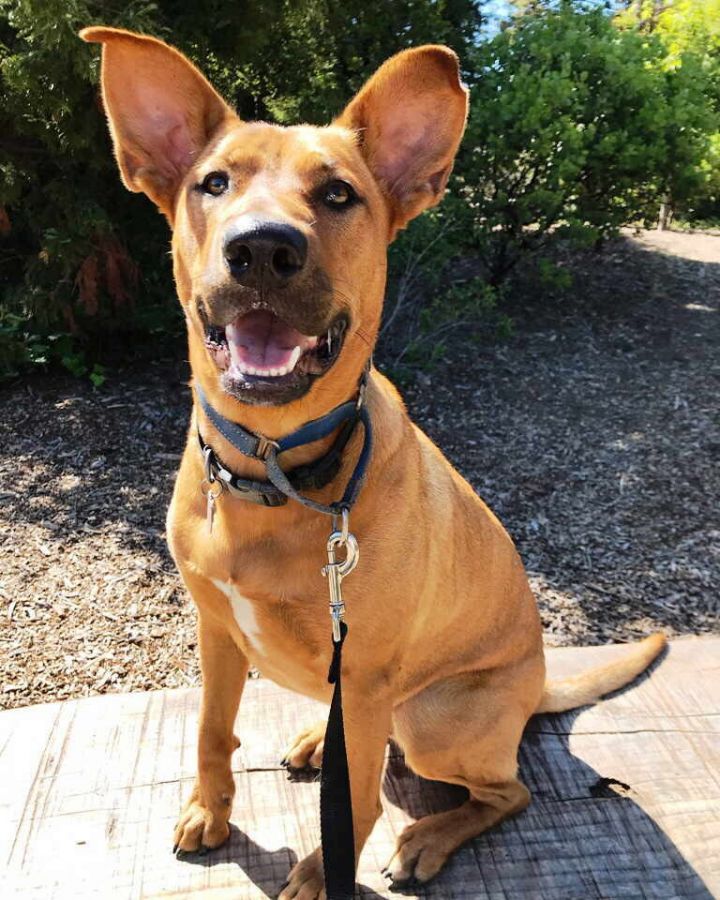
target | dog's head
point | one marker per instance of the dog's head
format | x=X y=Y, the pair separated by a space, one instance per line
x=280 y=234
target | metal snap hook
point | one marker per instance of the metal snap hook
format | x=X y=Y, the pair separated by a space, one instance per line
x=349 y=542
x=335 y=571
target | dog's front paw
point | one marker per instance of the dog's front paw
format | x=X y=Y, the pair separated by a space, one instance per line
x=307 y=748
x=202 y=826
x=306 y=880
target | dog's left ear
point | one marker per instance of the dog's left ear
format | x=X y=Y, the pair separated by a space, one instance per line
x=410 y=117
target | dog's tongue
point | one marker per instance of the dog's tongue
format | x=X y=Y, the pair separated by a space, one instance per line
x=262 y=343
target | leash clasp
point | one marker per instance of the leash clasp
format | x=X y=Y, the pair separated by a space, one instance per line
x=336 y=570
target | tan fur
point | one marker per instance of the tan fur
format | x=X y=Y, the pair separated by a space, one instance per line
x=444 y=648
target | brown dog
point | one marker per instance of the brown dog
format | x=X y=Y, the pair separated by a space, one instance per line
x=279 y=247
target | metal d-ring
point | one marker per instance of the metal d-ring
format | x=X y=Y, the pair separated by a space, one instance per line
x=343 y=531
x=207 y=460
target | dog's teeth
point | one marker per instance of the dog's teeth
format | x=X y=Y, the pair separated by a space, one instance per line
x=274 y=371
x=329 y=341
x=294 y=357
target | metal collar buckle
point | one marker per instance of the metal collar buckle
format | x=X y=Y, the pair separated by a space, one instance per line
x=265 y=447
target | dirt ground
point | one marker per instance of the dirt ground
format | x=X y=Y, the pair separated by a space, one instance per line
x=593 y=433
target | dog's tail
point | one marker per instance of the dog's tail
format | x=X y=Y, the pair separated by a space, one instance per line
x=590 y=686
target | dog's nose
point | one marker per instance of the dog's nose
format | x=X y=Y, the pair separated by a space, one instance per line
x=265 y=250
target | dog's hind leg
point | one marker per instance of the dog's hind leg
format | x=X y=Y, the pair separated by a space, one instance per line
x=203 y=822
x=464 y=730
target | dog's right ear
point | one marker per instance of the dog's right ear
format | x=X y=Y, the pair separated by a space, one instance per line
x=161 y=110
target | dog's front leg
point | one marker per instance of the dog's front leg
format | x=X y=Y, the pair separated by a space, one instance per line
x=367 y=728
x=204 y=820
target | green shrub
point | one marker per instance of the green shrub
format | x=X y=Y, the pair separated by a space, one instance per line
x=690 y=33
x=435 y=290
x=576 y=128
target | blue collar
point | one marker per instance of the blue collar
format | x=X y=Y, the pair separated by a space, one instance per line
x=256 y=446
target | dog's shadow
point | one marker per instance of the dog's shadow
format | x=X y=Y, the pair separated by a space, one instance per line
x=266 y=869
x=583 y=836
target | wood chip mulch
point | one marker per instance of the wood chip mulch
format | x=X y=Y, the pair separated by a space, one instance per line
x=593 y=433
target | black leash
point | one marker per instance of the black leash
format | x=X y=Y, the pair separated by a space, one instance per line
x=336 y=824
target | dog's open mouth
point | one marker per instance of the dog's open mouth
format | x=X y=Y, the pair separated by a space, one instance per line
x=259 y=352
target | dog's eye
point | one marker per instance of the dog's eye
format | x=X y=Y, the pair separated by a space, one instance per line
x=215 y=183
x=339 y=193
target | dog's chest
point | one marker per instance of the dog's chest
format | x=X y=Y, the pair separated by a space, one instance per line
x=283 y=638
x=243 y=610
